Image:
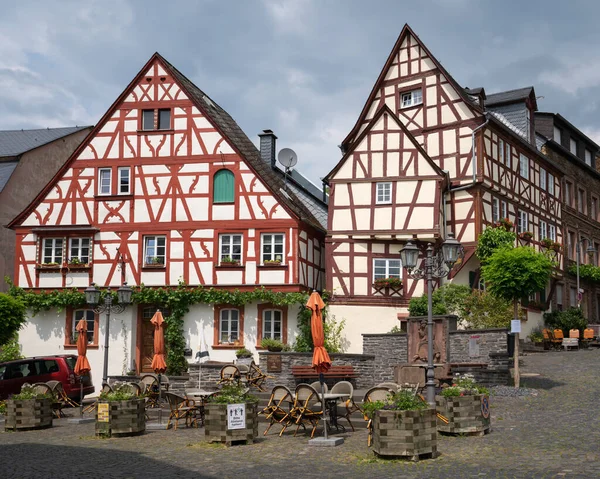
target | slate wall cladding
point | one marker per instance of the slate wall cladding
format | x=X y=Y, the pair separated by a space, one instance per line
x=388 y=351
x=489 y=340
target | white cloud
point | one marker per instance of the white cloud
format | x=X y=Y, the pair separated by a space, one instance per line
x=289 y=16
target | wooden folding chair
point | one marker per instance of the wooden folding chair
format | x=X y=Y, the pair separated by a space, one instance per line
x=255 y=377
x=306 y=408
x=181 y=408
x=279 y=407
x=230 y=374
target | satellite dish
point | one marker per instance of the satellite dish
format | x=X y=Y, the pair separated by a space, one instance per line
x=287 y=157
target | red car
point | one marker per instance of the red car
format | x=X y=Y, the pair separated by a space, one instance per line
x=41 y=369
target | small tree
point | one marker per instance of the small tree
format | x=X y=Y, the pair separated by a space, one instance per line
x=490 y=240
x=448 y=299
x=12 y=317
x=514 y=273
x=484 y=310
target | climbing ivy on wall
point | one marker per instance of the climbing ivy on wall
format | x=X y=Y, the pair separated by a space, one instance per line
x=176 y=299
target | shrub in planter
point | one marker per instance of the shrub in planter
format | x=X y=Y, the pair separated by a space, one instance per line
x=28 y=410
x=273 y=345
x=466 y=407
x=231 y=416
x=243 y=353
x=403 y=426
x=120 y=413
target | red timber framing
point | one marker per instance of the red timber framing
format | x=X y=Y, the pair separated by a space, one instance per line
x=147 y=194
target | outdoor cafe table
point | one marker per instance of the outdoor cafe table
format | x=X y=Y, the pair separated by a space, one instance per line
x=330 y=406
x=199 y=394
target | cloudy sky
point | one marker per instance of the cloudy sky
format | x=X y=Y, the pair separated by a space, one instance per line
x=303 y=68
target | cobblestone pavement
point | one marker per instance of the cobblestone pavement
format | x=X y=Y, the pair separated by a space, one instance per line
x=553 y=434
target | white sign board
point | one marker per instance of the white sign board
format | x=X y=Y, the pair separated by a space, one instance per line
x=515 y=326
x=236 y=416
x=474 y=346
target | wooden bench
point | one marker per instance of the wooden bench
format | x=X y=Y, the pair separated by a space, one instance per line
x=335 y=372
x=570 y=343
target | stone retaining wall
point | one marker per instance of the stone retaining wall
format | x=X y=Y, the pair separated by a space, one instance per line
x=388 y=350
x=488 y=340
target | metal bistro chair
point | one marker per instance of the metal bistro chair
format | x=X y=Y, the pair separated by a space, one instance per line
x=374 y=394
x=279 y=407
x=588 y=337
x=59 y=392
x=105 y=389
x=43 y=388
x=181 y=408
x=230 y=374
x=345 y=411
x=256 y=377
x=306 y=408
x=152 y=392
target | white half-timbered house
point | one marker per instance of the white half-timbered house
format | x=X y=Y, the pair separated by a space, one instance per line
x=166 y=189
x=427 y=157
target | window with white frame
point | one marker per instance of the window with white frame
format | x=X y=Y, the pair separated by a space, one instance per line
x=523 y=222
x=550 y=183
x=573 y=146
x=501 y=151
x=90 y=318
x=272 y=247
x=557 y=135
x=504 y=209
x=507 y=158
x=543 y=179
x=552 y=232
x=384 y=193
x=524 y=166
x=230 y=248
x=52 y=250
x=386 y=268
x=229 y=325
x=124 y=180
x=79 y=250
x=543 y=230
x=271 y=324
x=104 y=181
x=569 y=193
x=412 y=98
x=581 y=200
x=161 y=119
x=155 y=250
x=495 y=210
x=588 y=157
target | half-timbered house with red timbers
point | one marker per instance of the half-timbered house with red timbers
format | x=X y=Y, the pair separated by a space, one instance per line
x=427 y=157
x=166 y=189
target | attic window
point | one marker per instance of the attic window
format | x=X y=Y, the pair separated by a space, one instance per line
x=412 y=98
x=159 y=119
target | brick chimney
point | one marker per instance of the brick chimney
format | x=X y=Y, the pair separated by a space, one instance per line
x=268 y=142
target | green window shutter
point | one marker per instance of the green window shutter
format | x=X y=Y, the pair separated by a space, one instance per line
x=223 y=187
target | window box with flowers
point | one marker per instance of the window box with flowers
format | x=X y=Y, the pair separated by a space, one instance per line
x=154 y=262
x=556 y=246
x=229 y=262
x=526 y=236
x=504 y=223
x=52 y=266
x=272 y=262
x=547 y=243
x=76 y=263
x=388 y=283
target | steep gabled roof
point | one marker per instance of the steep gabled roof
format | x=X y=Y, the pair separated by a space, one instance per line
x=17 y=142
x=511 y=96
x=6 y=170
x=222 y=122
x=386 y=109
x=406 y=30
x=227 y=126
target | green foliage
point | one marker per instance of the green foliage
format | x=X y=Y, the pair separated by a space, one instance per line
x=464 y=385
x=403 y=400
x=12 y=316
x=397 y=330
x=232 y=394
x=11 y=350
x=571 y=318
x=482 y=310
x=514 y=273
x=272 y=344
x=447 y=299
x=587 y=272
x=491 y=239
x=2 y=408
x=27 y=392
x=120 y=392
x=303 y=343
x=243 y=353
x=331 y=328
x=536 y=336
x=333 y=335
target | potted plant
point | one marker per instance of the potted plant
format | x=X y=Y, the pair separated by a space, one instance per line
x=272 y=262
x=556 y=246
x=547 y=243
x=28 y=410
x=155 y=261
x=49 y=265
x=231 y=416
x=465 y=405
x=403 y=425
x=244 y=356
x=536 y=337
x=526 y=236
x=505 y=223
x=273 y=345
x=120 y=413
x=391 y=282
x=229 y=261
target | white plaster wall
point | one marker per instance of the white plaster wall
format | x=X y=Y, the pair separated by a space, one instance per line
x=364 y=320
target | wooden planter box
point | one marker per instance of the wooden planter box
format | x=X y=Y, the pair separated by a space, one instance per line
x=25 y=414
x=465 y=414
x=215 y=425
x=410 y=434
x=124 y=418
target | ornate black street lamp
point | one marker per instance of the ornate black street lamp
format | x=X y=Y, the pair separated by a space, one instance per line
x=92 y=297
x=436 y=264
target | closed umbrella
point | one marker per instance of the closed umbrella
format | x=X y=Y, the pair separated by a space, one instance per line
x=82 y=366
x=321 y=361
x=158 y=361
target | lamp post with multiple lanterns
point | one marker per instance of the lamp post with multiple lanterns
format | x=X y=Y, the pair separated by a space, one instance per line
x=92 y=297
x=437 y=263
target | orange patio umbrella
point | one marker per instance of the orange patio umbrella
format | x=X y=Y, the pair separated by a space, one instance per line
x=321 y=361
x=158 y=361
x=82 y=366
